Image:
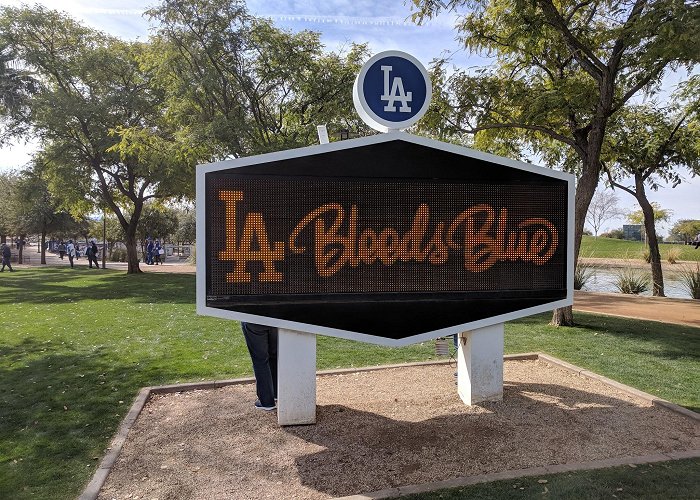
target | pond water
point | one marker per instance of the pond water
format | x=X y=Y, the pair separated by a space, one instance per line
x=603 y=280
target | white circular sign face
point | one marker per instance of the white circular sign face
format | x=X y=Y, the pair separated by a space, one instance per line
x=392 y=91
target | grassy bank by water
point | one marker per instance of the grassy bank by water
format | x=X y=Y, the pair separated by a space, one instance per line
x=610 y=248
x=76 y=345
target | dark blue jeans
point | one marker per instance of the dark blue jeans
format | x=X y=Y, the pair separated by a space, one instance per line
x=262 y=346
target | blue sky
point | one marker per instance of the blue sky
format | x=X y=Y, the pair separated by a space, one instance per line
x=384 y=24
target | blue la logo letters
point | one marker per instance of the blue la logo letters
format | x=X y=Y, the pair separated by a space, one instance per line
x=397 y=93
x=392 y=91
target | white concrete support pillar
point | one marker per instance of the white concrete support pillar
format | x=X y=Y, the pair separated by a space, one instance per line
x=296 y=378
x=480 y=365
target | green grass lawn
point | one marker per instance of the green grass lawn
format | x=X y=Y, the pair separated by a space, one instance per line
x=660 y=481
x=76 y=346
x=610 y=248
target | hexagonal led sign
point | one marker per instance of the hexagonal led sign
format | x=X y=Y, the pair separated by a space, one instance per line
x=390 y=239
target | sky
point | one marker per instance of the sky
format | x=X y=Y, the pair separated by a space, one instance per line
x=383 y=24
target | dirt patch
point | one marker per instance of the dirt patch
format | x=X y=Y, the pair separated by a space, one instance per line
x=383 y=429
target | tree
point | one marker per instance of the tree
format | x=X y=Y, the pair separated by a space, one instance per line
x=685 y=230
x=8 y=181
x=186 y=232
x=158 y=222
x=659 y=215
x=603 y=208
x=100 y=117
x=562 y=70
x=259 y=89
x=652 y=144
x=37 y=210
x=16 y=86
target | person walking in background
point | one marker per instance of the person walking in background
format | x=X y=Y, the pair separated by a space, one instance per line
x=95 y=251
x=91 y=254
x=70 y=250
x=262 y=347
x=157 y=253
x=61 y=249
x=149 y=252
x=6 y=255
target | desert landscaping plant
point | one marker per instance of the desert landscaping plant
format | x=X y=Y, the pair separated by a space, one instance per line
x=632 y=281
x=584 y=272
x=673 y=255
x=690 y=279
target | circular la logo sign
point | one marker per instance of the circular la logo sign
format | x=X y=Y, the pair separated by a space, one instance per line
x=392 y=91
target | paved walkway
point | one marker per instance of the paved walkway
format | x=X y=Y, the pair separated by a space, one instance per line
x=171 y=264
x=667 y=310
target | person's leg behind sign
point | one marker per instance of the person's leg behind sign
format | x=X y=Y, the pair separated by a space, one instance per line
x=262 y=346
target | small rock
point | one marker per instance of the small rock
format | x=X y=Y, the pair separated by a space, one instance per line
x=542 y=481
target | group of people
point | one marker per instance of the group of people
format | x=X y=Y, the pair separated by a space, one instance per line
x=155 y=253
x=72 y=252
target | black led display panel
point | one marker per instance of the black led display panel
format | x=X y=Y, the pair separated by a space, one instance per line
x=390 y=239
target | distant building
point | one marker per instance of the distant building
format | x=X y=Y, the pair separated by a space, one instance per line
x=632 y=232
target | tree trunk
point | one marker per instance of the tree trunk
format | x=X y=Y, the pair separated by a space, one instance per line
x=20 y=249
x=43 y=247
x=132 y=257
x=585 y=189
x=563 y=316
x=652 y=240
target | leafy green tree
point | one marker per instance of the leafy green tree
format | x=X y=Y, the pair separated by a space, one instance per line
x=187 y=227
x=685 y=230
x=8 y=181
x=650 y=144
x=562 y=70
x=37 y=210
x=16 y=86
x=99 y=117
x=158 y=222
x=659 y=215
x=258 y=88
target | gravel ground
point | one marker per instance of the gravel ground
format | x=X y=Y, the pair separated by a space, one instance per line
x=383 y=429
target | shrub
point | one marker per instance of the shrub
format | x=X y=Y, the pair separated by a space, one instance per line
x=673 y=254
x=582 y=274
x=118 y=255
x=632 y=281
x=646 y=255
x=617 y=234
x=690 y=279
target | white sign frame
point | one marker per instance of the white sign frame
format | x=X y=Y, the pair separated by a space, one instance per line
x=202 y=170
x=370 y=117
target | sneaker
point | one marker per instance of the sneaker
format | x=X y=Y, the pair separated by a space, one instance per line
x=260 y=406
